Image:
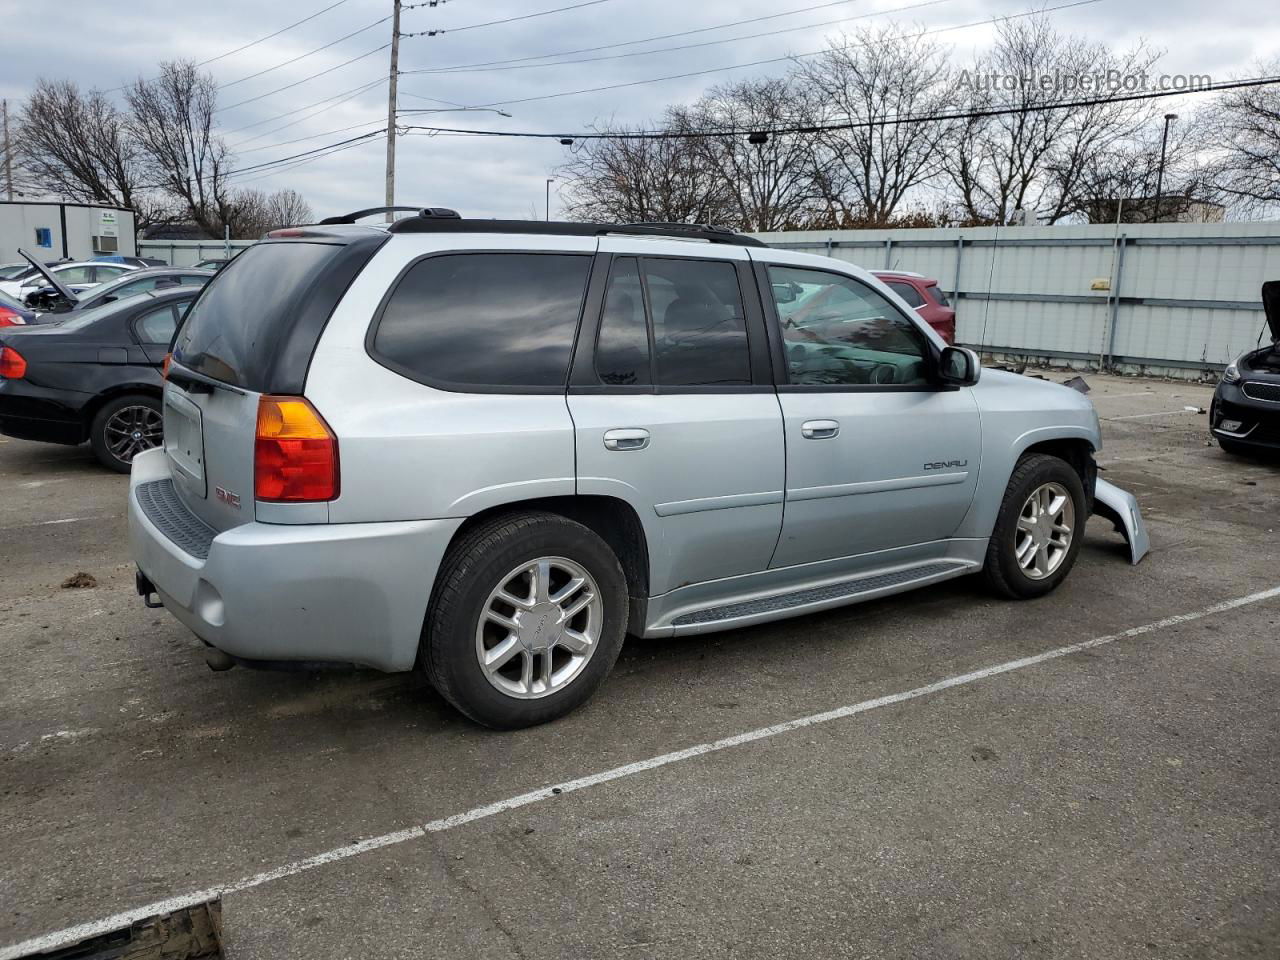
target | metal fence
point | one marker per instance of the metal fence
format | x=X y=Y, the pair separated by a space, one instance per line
x=184 y=253
x=1183 y=299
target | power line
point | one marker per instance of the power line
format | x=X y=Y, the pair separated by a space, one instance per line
x=289 y=113
x=290 y=86
x=274 y=171
x=272 y=164
x=326 y=105
x=757 y=63
x=631 y=43
x=691 y=46
x=269 y=36
x=232 y=83
x=314 y=136
x=853 y=125
x=494 y=23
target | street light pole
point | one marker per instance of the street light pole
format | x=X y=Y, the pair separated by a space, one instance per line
x=1164 y=146
x=391 y=108
x=550 y=180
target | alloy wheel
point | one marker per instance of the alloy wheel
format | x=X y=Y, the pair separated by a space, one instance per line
x=133 y=429
x=539 y=627
x=1046 y=525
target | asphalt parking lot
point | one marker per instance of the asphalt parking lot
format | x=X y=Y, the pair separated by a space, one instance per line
x=1118 y=799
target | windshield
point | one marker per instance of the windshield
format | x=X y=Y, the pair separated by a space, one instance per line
x=83 y=318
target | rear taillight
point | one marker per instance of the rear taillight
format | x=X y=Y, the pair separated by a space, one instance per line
x=11 y=318
x=295 y=458
x=12 y=364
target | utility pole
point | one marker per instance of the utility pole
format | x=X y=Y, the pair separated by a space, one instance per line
x=391 y=107
x=8 y=156
x=1164 y=144
x=550 y=181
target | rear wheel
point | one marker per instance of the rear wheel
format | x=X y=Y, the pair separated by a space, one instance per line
x=527 y=619
x=1038 y=531
x=124 y=428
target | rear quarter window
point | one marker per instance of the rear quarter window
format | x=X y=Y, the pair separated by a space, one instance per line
x=504 y=321
x=232 y=331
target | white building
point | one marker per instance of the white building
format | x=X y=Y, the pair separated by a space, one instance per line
x=51 y=230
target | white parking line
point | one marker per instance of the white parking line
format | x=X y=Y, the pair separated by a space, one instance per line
x=1143 y=416
x=60 y=938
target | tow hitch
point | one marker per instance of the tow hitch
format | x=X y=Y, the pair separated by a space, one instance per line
x=147 y=590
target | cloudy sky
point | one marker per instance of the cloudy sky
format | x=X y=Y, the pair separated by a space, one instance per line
x=263 y=93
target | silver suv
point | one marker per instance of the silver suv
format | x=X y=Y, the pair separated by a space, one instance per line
x=491 y=449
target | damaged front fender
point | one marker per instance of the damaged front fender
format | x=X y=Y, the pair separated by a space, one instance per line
x=1121 y=508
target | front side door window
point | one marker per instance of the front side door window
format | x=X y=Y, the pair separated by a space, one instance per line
x=838 y=331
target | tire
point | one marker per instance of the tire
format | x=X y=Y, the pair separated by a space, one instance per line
x=503 y=554
x=1002 y=571
x=115 y=451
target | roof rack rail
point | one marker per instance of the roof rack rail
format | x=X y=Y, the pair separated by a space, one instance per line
x=431 y=222
x=361 y=214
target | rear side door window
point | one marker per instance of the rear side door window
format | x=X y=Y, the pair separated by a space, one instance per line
x=623 y=355
x=497 y=321
x=673 y=323
x=906 y=291
x=156 y=326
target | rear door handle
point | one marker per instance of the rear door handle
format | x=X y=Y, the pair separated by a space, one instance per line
x=819 y=429
x=631 y=438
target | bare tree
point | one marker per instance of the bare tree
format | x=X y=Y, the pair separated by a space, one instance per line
x=251 y=213
x=173 y=123
x=869 y=78
x=1246 y=129
x=768 y=184
x=79 y=146
x=288 y=208
x=641 y=178
x=1121 y=181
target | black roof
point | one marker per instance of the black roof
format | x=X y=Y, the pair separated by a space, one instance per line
x=687 y=231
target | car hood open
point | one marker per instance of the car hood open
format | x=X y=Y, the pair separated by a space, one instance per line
x=1271 y=304
x=53 y=281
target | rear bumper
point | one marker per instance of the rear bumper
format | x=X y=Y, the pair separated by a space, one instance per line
x=35 y=413
x=354 y=592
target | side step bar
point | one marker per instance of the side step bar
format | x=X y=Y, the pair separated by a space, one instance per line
x=810 y=599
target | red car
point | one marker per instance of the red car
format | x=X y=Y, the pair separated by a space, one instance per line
x=923 y=294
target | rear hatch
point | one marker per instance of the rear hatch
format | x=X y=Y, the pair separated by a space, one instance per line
x=251 y=332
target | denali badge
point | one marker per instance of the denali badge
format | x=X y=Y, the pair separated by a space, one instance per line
x=946 y=464
x=227 y=497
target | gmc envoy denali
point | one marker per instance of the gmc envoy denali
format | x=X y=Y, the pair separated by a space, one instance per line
x=490 y=449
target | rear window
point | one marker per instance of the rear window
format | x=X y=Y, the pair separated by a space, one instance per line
x=504 y=320
x=907 y=292
x=232 y=330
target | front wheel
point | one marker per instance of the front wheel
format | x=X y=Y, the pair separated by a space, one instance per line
x=123 y=428
x=1039 y=528
x=526 y=620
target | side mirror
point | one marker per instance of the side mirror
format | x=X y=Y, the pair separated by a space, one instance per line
x=959 y=367
x=110 y=298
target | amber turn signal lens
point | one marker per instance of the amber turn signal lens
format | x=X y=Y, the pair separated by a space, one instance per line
x=295 y=453
x=164 y=367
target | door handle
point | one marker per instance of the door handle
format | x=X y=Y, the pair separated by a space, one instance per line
x=819 y=429
x=626 y=439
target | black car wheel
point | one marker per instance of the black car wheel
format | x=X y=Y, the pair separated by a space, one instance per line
x=124 y=428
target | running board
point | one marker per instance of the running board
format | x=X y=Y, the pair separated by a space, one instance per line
x=811 y=599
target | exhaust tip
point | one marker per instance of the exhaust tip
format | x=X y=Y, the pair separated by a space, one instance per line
x=218 y=660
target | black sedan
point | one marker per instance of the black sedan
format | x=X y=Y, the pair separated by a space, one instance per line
x=94 y=376
x=1245 y=416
